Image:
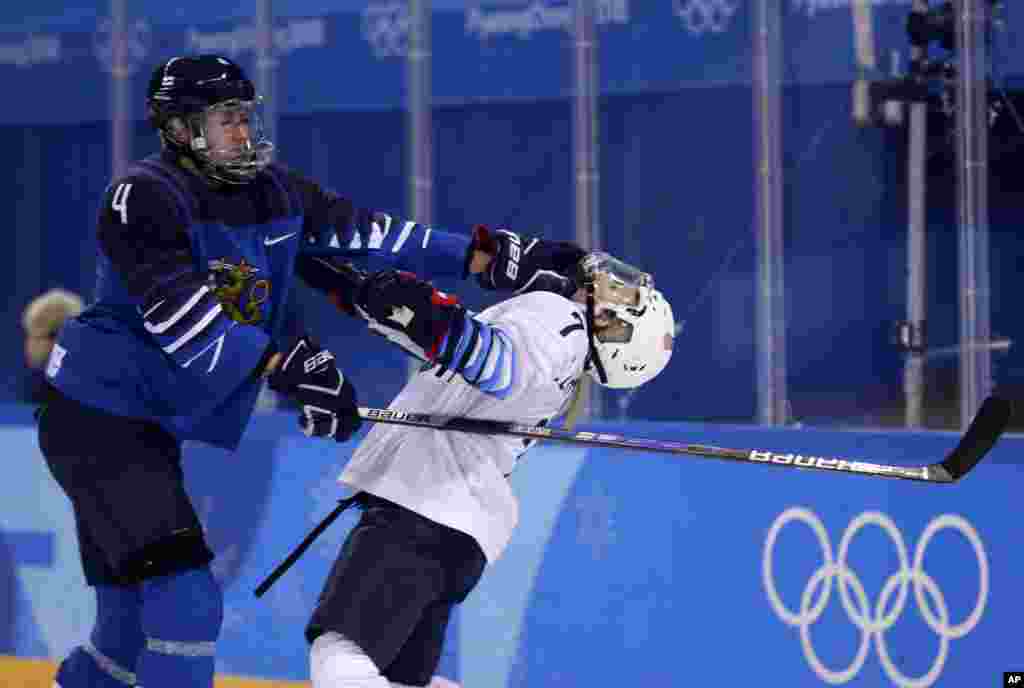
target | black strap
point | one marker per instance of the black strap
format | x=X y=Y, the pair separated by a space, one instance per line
x=593 y=358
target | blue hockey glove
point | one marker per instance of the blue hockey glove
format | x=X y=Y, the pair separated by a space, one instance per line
x=522 y=264
x=308 y=374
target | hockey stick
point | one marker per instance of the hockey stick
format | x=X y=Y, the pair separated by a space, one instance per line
x=302 y=546
x=983 y=432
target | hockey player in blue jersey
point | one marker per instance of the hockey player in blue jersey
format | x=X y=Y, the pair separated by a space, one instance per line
x=198 y=248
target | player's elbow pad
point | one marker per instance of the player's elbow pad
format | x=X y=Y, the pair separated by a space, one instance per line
x=482 y=354
x=184 y=317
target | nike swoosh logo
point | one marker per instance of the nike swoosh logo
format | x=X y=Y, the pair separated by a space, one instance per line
x=267 y=241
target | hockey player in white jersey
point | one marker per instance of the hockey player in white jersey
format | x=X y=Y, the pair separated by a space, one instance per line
x=437 y=506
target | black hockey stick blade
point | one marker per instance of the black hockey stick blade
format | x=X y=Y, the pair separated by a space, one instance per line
x=983 y=432
x=988 y=424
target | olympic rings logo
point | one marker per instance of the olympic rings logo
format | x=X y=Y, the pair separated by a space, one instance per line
x=704 y=16
x=860 y=614
x=137 y=41
x=386 y=27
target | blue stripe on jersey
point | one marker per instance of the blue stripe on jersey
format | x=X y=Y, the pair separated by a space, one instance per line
x=433 y=252
x=481 y=353
x=465 y=342
x=499 y=375
x=389 y=236
x=405 y=244
x=484 y=356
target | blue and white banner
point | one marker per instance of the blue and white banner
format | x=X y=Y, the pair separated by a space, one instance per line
x=487 y=49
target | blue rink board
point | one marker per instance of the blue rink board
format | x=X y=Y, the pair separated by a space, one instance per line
x=627 y=568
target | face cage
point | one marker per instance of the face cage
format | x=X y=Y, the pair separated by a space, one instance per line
x=232 y=165
x=617 y=287
x=617 y=294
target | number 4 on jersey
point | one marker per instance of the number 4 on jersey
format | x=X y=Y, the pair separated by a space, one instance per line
x=120 y=201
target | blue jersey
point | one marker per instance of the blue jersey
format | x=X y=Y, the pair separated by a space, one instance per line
x=192 y=283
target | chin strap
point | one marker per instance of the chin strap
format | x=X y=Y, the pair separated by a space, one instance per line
x=595 y=360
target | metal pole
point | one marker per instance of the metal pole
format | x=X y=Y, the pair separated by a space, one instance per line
x=264 y=80
x=419 y=127
x=120 y=108
x=420 y=123
x=266 y=66
x=972 y=183
x=914 y=364
x=772 y=401
x=585 y=153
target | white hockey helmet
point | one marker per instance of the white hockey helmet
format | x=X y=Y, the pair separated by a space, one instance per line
x=631 y=323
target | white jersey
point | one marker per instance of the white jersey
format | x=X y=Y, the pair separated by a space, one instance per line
x=460 y=479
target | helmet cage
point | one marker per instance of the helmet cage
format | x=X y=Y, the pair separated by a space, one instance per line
x=230 y=164
x=630 y=323
x=617 y=286
x=184 y=92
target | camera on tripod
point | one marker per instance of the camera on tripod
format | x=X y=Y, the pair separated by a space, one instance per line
x=930 y=78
